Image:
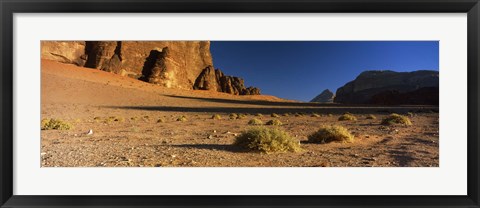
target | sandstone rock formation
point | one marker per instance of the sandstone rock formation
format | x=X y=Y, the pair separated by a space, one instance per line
x=70 y=52
x=325 y=97
x=173 y=64
x=104 y=55
x=206 y=80
x=233 y=85
x=380 y=87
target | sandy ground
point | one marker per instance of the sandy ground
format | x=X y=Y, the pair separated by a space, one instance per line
x=78 y=95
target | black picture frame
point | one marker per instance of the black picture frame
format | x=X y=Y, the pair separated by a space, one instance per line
x=10 y=7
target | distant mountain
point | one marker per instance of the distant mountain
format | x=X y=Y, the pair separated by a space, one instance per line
x=391 y=88
x=325 y=97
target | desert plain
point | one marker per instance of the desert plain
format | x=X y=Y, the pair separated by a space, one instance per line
x=120 y=121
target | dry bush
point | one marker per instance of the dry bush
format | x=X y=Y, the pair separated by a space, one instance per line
x=315 y=115
x=241 y=116
x=161 y=120
x=216 y=117
x=396 y=119
x=55 y=124
x=347 y=117
x=274 y=122
x=274 y=115
x=233 y=116
x=119 y=119
x=255 y=121
x=182 y=118
x=267 y=140
x=370 y=116
x=259 y=115
x=328 y=134
x=286 y=114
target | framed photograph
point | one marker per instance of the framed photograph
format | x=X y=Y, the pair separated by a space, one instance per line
x=264 y=103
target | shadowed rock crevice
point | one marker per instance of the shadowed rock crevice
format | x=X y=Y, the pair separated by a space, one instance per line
x=206 y=80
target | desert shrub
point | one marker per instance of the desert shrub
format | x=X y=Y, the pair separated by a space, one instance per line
x=410 y=114
x=119 y=119
x=233 y=116
x=315 y=115
x=370 y=116
x=56 y=124
x=286 y=114
x=274 y=122
x=134 y=118
x=182 y=118
x=331 y=133
x=347 y=117
x=255 y=121
x=259 y=115
x=396 y=119
x=274 y=115
x=161 y=120
x=241 y=116
x=267 y=140
x=298 y=115
x=330 y=115
x=216 y=117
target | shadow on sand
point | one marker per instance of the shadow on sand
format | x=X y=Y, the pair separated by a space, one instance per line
x=278 y=110
x=221 y=147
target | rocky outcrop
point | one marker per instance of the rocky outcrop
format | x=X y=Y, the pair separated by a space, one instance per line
x=70 y=52
x=104 y=55
x=325 y=97
x=173 y=64
x=233 y=85
x=206 y=80
x=251 y=91
x=375 y=87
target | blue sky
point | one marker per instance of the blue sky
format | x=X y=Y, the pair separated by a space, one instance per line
x=300 y=70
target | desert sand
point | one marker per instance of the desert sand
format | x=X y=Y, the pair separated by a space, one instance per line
x=86 y=98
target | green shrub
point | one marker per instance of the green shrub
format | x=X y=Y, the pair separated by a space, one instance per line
x=56 y=124
x=371 y=117
x=182 y=118
x=331 y=133
x=274 y=122
x=255 y=121
x=216 y=117
x=267 y=140
x=347 y=117
x=315 y=115
x=396 y=119
x=274 y=115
